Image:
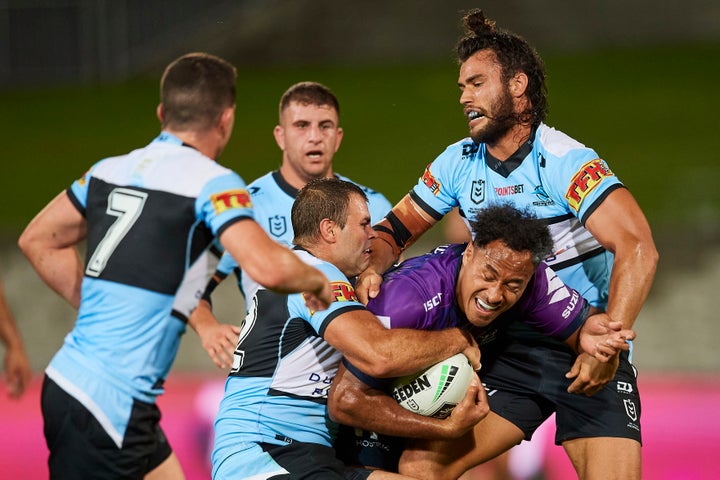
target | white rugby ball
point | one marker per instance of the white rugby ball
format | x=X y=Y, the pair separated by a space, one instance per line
x=435 y=391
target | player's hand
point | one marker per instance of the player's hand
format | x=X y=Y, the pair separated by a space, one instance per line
x=319 y=300
x=473 y=408
x=218 y=339
x=590 y=374
x=17 y=370
x=603 y=338
x=472 y=351
x=367 y=285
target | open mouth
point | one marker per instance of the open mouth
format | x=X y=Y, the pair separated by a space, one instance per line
x=473 y=115
x=484 y=306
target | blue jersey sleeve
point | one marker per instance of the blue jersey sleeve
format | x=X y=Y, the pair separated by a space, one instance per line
x=577 y=177
x=438 y=187
x=227 y=264
x=345 y=300
x=222 y=201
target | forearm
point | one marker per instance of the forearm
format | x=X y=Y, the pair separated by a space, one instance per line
x=402 y=351
x=632 y=277
x=49 y=243
x=61 y=269
x=267 y=262
x=400 y=228
x=380 y=413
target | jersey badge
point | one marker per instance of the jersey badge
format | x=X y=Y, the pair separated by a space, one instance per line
x=477 y=191
x=277 y=225
x=83 y=180
x=343 y=292
x=543 y=199
x=225 y=201
x=585 y=180
x=469 y=149
x=429 y=180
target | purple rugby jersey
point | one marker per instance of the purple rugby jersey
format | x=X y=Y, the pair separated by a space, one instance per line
x=420 y=293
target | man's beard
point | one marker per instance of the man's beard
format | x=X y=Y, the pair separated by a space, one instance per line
x=501 y=119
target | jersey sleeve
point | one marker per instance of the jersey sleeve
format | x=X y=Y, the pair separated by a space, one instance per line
x=580 y=179
x=78 y=190
x=553 y=308
x=345 y=300
x=436 y=189
x=223 y=201
x=227 y=264
x=378 y=205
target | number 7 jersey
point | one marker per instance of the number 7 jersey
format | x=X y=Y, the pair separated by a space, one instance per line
x=150 y=215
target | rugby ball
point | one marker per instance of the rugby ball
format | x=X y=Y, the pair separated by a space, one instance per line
x=435 y=391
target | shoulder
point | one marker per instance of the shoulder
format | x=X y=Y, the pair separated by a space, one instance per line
x=261 y=183
x=560 y=145
x=419 y=289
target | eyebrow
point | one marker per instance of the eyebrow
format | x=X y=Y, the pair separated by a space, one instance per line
x=471 y=79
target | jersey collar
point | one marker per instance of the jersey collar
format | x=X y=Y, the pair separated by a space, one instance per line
x=505 y=168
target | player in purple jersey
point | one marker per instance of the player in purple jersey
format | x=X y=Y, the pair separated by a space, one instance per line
x=492 y=282
x=603 y=246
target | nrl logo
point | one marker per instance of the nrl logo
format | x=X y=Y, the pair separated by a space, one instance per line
x=477 y=191
x=630 y=409
x=278 y=225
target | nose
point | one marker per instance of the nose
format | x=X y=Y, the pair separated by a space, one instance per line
x=465 y=96
x=315 y=133
x=494 y=294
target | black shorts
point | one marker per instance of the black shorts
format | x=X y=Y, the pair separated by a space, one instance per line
x=310 y=461
x=81 y=448
x=527 y=383
x=361 y=447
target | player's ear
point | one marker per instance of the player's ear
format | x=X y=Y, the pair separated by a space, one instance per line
x=328 y=229
x=160 y=113
x=338 y=138
x=468 y=253
x=518 y=84
x=279 y=134
x=227 y=120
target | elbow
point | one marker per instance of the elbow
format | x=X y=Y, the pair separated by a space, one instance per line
x=342 y=404
x=649 y=256
x=25 y=243
x=380 y=365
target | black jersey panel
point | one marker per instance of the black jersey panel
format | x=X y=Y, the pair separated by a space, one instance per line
x=140 y=237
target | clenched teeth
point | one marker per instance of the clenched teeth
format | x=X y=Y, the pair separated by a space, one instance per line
x=484 y=305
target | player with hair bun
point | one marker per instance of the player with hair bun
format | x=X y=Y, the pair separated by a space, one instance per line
x=603 y=248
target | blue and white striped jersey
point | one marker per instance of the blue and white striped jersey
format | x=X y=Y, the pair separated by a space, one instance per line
x=150 y=215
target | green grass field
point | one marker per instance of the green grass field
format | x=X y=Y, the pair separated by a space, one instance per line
x=650 y=113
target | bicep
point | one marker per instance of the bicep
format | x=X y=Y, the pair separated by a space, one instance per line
x=58 y=225
x=356 y=334
x=251 y=247
x=618 y=222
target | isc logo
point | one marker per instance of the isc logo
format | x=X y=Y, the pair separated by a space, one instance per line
x=433 y=302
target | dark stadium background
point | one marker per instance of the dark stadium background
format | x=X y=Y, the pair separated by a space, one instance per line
x=637 y=81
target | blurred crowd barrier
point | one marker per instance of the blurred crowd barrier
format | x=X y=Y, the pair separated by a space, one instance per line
x=680 y=430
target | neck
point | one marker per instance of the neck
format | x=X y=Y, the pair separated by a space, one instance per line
x=204 y=142
x=296 y=179
x=510 y=142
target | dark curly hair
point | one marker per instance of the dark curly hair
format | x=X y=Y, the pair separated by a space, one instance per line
x=514 y=54
x=518 y=229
